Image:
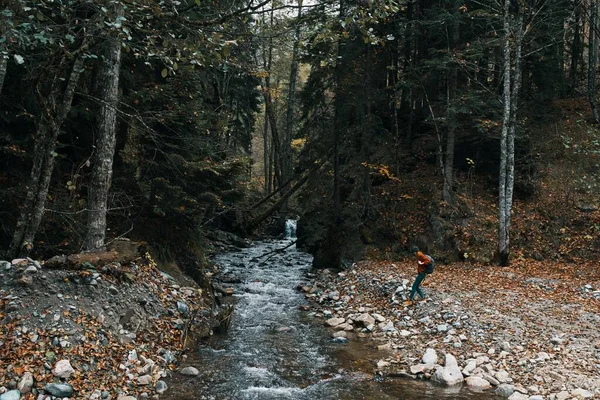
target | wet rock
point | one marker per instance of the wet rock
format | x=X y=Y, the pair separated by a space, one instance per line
x=189 y=371
x=11 y=395
x=59 y=389
x=430 y=357
x=475 y=382
x=183 y=308
x=25 y=280
x=63 y=369
x=26 y=383
x=339 y=340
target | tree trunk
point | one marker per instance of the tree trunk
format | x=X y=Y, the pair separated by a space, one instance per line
x=43 y=165
x=451 y=116
x=3 y=65
x=593 y=60
x=291 y=106
x=105 y=143
x=512 y=84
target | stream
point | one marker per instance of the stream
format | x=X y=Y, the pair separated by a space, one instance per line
x=273 y=350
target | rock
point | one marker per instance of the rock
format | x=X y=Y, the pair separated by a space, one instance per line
x=378 y=317
x=183 y=308
x=335 y=321
x=503 y=376
x=536 y=397
x=5 y=265
x=564 y=395
x=189 y=371
x=335 y=295
x=339 y=340
x=63 y=369
x=518 y=396
x=405 y=333
x=491 y=379
x=25 y=280
x=382 y=364
x=505 y=390
x=448 y=376
x=365 y=319
x=59 y=389
x=342 y=334
x=30 y=270
x=161 y=387
x=442 y=328
x=450 y=361
x=475 y=382
x=113 y=290
x=96 y=395
x=11 y=395
x=582 y=393
x=125 y=397
x=470 y=367
x=430 y=357
x=418 y=369
x=26 y=383
x=144 y=380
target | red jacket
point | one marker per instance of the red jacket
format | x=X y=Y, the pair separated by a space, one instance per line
x=423 y=261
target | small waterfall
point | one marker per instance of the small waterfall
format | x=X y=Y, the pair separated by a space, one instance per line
x=290 y=229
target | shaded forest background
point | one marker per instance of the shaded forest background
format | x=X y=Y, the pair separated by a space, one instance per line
x=467 y=128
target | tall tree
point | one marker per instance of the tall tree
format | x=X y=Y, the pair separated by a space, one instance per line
x=513 y=37
x=593 y=59
x=99 y=186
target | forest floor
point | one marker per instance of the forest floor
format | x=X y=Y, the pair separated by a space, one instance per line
x=531 y=328
x=93 y=332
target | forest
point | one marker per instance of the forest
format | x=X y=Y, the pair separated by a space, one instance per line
x=376 y=124
x=152 y=153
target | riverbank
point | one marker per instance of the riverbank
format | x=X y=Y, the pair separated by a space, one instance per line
x=528 y=332
x=93 y=331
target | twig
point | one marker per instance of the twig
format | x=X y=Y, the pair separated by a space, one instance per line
x=275 y=251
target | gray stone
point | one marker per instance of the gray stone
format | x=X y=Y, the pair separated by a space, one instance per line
x=469 y=368
x=59 y=389
x=582 y=393
x=475 y=382
x=430 y=357
x=161 y=387
x=491 y=379
x=189 y=371
x=536 y=397
x=450 y=361
x=518 y=396
x=183 y=308
x=113 y=290
x=418 y=369
x=96 y=395
x=63 y=368
x=378 y=317
x=505 y=390
x=564 y=395
x=11 y=395
x=31 y=270
x=340 y=334
x=144 y=380
x=335 y=321
x=503 y=376
x=448 y=376
x=26 y=383
x=442 y=328
x=365 y=319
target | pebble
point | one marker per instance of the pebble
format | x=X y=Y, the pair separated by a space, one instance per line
x=189 y=371
x=11 y=395
x=475 y=382
x=59 y=389
x=26 y=383
x=161 y=387
x=63 y=368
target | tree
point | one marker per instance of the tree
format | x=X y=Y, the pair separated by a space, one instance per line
x=513 y=37
x=108 y=83
x=593 y=60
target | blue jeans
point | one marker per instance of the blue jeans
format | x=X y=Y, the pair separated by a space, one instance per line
x=415 y=287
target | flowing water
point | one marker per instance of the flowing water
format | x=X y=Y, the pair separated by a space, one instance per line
x=273 y=350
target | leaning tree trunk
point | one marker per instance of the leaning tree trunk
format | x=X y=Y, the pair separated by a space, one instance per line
x=593 y=60
x=105 y=143
x=43 y=165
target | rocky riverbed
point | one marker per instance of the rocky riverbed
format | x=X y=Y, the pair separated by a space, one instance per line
x=90 y=332
x=521 y=334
